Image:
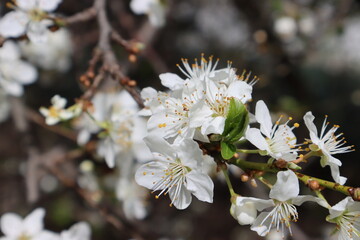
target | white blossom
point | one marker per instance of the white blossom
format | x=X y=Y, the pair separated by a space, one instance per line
x=29 y=17
x=14 y=72
x=29 y=228
x=79 y=231
x=284 y=195
x=54 y=54
x=177 y=171
x=155 y=9
x=277 y=140
x=132 y=197
x=346 y=215
x=329 y=143
x=57 y=111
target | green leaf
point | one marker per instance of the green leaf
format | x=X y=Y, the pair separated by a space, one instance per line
x=227 y=150
x=236 y=121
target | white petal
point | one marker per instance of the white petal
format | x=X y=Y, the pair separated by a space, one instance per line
x=171 y=81
x=306 y=198
x=262 y=228
x=13 y=24
x=47 y=235
x=309 y=122
x=26 y=4
x=286 y=186
x=263 y=117
x=181 y=199
x=24 y=72
x=245 y=213
x=254 y=136
x=140 y=6
x=189 y=153
x=339 y=208
x=159 y=145
x=9 y=51
x=240 y=90
x=198 y=113
x=37 y=32
x=200 y=185
x=335 y=173
x=48 y=5
x=148 y=174
x=213 y=125
x=79 y=231
x=33 y=223
x=11 y=225
x=12 y=88
x=83 y=137
x=260 y=204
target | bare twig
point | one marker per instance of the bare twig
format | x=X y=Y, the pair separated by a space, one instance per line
x=83 y=16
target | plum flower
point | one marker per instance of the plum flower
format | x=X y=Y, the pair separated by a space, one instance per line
x=30 y=18
x=177 y=171
x=57 y=111
x=14 y=72
x=284 y=195
x=29 y=228
x=346 y=215
x=277 y=140
x=329 y=144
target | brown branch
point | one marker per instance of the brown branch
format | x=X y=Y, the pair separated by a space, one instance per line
x=36 y=118
x=110 y=63
x=82 y=16
x=116 y=220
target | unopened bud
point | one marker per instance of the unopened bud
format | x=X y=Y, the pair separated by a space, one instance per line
x=253 y=182
x=132 y=58
x=244 y=177
x=132 y=83
x=281 y=163
x=313 y=185
x=355 y=193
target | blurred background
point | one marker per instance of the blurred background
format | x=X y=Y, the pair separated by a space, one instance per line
x=305 y=52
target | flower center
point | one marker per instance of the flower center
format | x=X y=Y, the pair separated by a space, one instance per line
x=24 y=237
x=281 y=216
x=173 y=179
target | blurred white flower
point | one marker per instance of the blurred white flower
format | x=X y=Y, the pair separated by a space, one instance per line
x=57 y=111
x=286 y=28
x=54 y=54
x=14 y=72
x=29 y=228
x=132 y=197
x=244 y=212
x=79 y=231
x=155 y=9
x=29 y=17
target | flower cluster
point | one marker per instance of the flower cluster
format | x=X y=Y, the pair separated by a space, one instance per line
x=30 y=17
x=32 y=228
x=210 y=106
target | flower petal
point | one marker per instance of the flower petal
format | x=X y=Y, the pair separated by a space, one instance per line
x=263 y=117
x=33 y=223
x=48 y=5
x=11 y=225
x=254 y=136
x=286 y=186
x=200 y=185
x=180 y=197
x=171 y=81
x=13 y=24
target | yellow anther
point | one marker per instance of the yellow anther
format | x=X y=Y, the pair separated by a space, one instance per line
x=156 y=196
x=144 y=173
x=296 y=125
